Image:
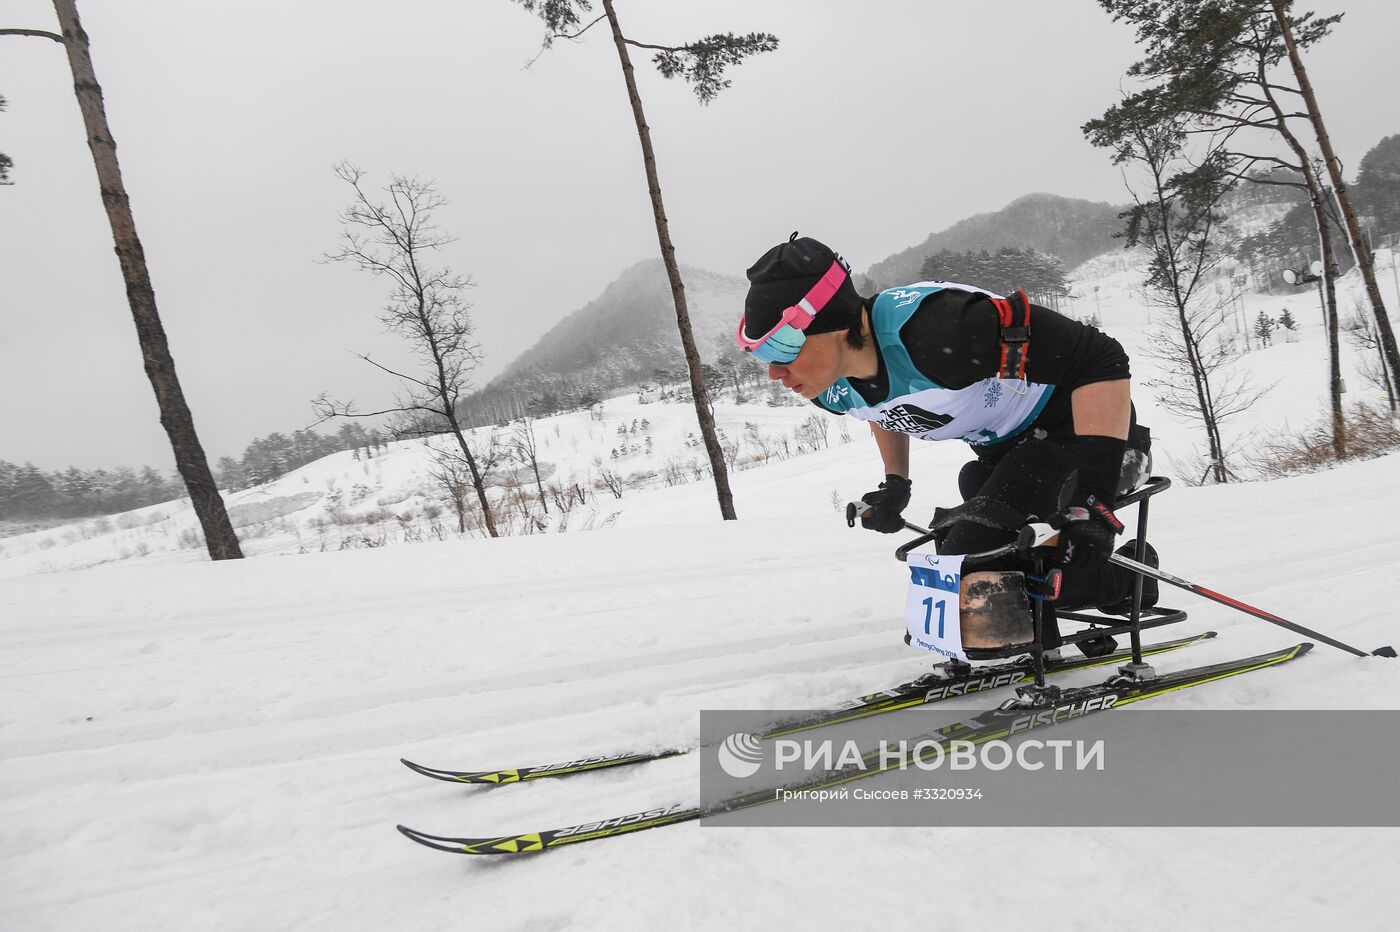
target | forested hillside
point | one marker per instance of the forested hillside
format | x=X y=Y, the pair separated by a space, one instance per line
x=1072 y=229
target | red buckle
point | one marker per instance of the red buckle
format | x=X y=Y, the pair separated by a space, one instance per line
x=1014 y=315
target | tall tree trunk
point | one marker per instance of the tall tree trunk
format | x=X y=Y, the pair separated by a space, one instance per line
x=1389 y=387
x=1317 y=197
x=539 y=486
x=698 y=390
x=175 y=414
x=478 y=480
x=1214 y=443
x=1329 y=309
x=459 y=501
x=1365 y=260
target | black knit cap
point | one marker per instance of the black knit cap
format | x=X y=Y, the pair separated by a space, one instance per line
x=784 y=275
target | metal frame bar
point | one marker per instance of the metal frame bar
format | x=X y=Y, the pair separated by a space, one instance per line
x=1138 y=617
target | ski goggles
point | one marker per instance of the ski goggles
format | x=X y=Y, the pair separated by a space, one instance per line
x=782 y=343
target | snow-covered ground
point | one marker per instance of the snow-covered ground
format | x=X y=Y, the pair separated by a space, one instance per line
x=185 y=743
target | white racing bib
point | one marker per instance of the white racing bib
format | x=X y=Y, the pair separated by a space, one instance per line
x=984 y=412
x=931 y=610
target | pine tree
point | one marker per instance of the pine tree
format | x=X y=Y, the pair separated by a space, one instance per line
x=1295 y=33
x=1039 y=274
x=1264 y=329
x=1216 y=68
x=33 y=492
x=1287 y=322
x=1377 y=188
x=1175 y=217
x=231 y=473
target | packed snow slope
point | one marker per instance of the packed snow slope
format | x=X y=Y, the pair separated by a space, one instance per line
x=190 y=744
x=217 y=744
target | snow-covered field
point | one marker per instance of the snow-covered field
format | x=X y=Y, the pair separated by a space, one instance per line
x=187 y=744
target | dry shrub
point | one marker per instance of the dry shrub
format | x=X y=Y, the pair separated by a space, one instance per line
x=1370 y=432
x=363 y=542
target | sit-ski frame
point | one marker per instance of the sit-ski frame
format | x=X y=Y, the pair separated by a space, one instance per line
x=1032 y=543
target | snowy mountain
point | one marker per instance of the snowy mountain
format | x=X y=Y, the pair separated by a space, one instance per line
x=621 y=337
x=629 y=331
x=1073 y=229
x=627 y=334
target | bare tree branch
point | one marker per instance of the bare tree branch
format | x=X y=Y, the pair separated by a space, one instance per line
x=37 y=33
x=576 y=35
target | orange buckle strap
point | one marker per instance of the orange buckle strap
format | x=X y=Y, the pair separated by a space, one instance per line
x=1014 y=313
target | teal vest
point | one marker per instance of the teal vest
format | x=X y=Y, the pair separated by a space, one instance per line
x=985 y=412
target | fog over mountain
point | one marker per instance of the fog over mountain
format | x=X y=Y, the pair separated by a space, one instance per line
x=618 y=339
x=1070 y=228
x=629 y=331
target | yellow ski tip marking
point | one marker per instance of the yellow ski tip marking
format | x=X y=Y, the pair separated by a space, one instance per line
x=519 y=843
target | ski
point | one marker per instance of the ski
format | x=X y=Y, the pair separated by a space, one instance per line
x=926 y=689
x=1011 y=718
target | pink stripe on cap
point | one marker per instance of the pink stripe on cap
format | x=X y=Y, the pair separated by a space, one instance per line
x=825 y=289
x=801 y=314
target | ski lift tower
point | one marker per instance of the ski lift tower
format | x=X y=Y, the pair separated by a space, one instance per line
x=1307 y=277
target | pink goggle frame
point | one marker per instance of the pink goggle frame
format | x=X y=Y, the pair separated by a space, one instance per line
x=800 y=315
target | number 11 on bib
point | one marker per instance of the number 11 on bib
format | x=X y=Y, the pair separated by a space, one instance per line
x=931 y=609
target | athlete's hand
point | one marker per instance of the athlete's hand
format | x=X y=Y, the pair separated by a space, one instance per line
x=887 y=504
x=1088 y=535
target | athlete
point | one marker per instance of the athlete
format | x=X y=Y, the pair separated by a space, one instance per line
x=1044 y=402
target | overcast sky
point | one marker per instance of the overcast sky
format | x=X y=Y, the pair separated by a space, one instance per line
x=871 y=126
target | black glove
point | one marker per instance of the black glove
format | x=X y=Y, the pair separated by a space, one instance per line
x=1090 y=526
x=886 y=503
x=1087 y=534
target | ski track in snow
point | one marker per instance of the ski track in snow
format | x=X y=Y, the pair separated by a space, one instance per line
x=241 y=767
x=185 y=743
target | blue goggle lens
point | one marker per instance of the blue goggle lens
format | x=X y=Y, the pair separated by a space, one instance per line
x=782 y=347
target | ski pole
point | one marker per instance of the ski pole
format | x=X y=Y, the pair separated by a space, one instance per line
x=1259 y=613
x=1032 y=535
